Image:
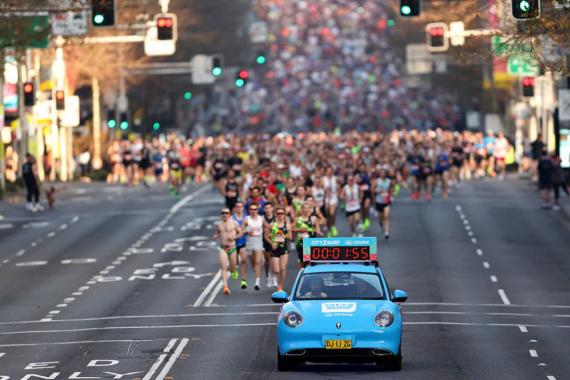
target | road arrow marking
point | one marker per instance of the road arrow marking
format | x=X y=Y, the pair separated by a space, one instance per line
x=171 y=264
x=79 y=261
x=31 y=263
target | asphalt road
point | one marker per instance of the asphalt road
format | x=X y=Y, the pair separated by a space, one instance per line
x=123 y=284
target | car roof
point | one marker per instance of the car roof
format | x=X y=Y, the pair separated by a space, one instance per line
x=340 y=267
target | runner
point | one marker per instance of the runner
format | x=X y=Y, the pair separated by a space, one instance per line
x=175 y=169
x=382 y=189
x=268 y=219
x=363 y=180
x=279 y=237
x=253 y=227
x=306 y=226
x=227 y=231
x=351 y=194
x=239 y=217
x=30 y=175
x=331 y=200
x=441 y=172
x=231 y=190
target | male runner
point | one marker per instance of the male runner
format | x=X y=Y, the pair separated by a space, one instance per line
x=239 y=217
x=268 y=219
x=227 y=231
x=253 y=227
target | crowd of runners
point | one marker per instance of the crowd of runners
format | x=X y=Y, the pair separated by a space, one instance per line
x=281 y=189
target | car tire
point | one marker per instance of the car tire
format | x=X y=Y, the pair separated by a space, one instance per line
x=393 y=363
x=284 y=363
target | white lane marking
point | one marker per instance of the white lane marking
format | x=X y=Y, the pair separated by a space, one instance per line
x=82 y=288
x=208 y=288
x=233 y=325
x=76 y=293
x=2 y=354
x=181 y=203
x=504 y=297
x=494 y=278
x=160 y=359
x=470 y=233
x=486 y=264
x=550 y=377
x=6 y=226
x=53 y=312
x=31 y=263
x=468 y=228
x=431 y=304
x=69 y=299
x=20 y=252
x=51 y=234
x=479 y=252
x=79 y=261
x=474 y=240
x=172 y=359
x=214 y=293
x=466 y=222
x=458 y=207
x=46 y=319
x=533 y=353
x=34 y=244
x=130 y=341
x=61 y=305
x=74 y=219
x=63 y=227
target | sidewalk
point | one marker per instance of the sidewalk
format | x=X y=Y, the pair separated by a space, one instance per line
x=532 y=186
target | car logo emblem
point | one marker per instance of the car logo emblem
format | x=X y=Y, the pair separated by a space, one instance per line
x=338 y=325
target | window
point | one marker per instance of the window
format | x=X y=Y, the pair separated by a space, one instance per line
x=339 y=286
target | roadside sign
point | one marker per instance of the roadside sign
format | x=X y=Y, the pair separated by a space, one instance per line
x=25 y=31
x=258 y=32
x=456 y=29
x=564 y=104
x=70 y=117
x=418 y=59
x=523 y=65
x=502 y=46
x=155 y=47
x=202 y=69
x=69 y=23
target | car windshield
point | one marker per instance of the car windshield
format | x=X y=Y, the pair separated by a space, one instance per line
x=339 y=286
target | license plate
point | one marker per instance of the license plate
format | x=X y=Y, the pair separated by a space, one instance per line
x=338 y=344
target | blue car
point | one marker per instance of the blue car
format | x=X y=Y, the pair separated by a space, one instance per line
x=340 y=312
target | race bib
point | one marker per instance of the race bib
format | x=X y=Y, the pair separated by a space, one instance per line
x=279 y=239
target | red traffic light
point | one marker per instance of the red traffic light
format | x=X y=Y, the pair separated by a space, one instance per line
x=243 y=74
x=528 y=81
x=437 y=32
x=164 y=22
x=28 y=87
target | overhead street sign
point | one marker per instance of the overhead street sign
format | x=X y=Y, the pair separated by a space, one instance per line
x=69 y=23
x=523 y=65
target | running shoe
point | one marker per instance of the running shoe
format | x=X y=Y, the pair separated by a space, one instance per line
x=387 y=236
x=226 y=290
x=234 y=275
x=366 y=224
x=243 y=284
x=334 y=231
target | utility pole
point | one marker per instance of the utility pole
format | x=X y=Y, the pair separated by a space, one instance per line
x=97 y=162
x=2 y=152
x=21 y=108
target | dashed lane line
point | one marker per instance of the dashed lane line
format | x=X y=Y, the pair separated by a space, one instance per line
x=504 y=297
x=533 y=353
x=215 y=292
x=486 y=264
x=523 y=329
x=479 y=252
x=494 y=278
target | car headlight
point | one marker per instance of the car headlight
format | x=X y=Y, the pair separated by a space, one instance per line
x=293 y=319
x=384 y=319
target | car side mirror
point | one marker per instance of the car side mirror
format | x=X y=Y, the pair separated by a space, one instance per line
x=399 y=296
x=280 y=297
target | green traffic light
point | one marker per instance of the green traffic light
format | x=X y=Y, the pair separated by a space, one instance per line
x=391 y=23
x=111 y=123
x=187 y=95
x=261 y=60
x=524 y=6
x=98 y=19
x=217 y=71
x=124 y=125
x=240 y=82
x=156 y=126
x=406 y=10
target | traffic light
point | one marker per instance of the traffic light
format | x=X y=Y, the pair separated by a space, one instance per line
x=528 y=87
x=165 y=28
x=525 y=9
x=217 y=69
x=124 y=121
x=103 y=12
x=156 y=126
x=261 y=58
x=241 y=78
x=436 y=36
x=29 y=94
x=187 y=95
x=60 y=100
x=111 y=119
x=410 y=8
